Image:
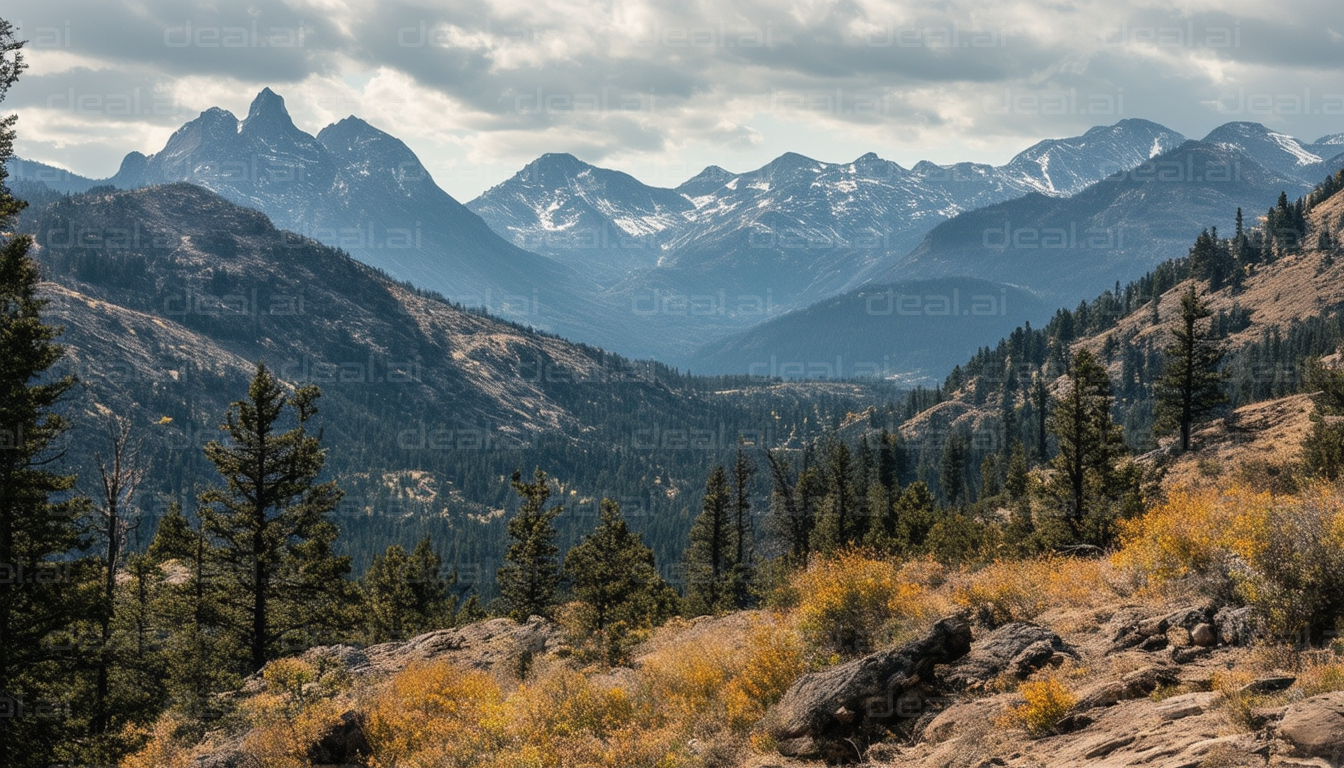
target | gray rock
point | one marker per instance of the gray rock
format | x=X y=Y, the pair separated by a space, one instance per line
x=1234 y=626
x=879 y=688
x=1017 y=649
x=1186 y=705
x=1272 y=684
x=1315 y=727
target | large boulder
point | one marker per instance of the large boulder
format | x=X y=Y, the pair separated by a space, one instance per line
x=1315 y=727
x=1015 y=650
x=823 y=709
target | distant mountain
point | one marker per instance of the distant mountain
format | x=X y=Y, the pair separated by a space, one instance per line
x=913 y=332
x=1276 y=151
x=1067 y=249
x=362 y=190
x=1062 y=167
x=591 y=218
x=57 y=179
x=796 y=230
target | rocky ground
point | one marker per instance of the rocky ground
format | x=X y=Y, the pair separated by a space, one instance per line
x=1175 y=686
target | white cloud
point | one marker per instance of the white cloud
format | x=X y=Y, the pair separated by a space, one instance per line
x=668 y=84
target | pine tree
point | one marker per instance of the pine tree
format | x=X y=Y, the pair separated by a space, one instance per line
x=613 y=574
x=1089 y=440
x=405 y=594
x=1040 y=399
x=38 y=515
x=1016 y=483
x=1191 y=384
x=709 y=558
x=200 y=644
x=529 y=581
x=744 y=536
x=842 y=524
x=952 y=469
x=270 y=525
x=1323 y=447
x=792 y=507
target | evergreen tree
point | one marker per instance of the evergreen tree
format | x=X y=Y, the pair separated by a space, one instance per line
x=792 y=507
x=842 y=524
x=613 y=574
x=1323 y=447
x=1089 y=440
x=471 y=611
x=744 y=535
x=405 y=594
x=38 y=516
x=1040 y=399
x=1191 y=384
x=952 y=469
x=200 y=644
x=1016 y=483
x=529 y=581
x=270 y=522
x=709 y=558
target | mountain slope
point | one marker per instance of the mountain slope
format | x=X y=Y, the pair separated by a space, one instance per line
x=170 y=294
x=1067 y=249
x=913 y=332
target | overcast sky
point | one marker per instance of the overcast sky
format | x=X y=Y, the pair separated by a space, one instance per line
x=662 y=88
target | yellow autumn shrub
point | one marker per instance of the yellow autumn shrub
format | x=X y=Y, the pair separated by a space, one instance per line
x=853 y=602
x=1020 y=590
x=288 y=718
x=774 y=659
x=1046 y=703
x=435 y=714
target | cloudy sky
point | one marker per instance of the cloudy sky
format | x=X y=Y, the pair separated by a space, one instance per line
x=662 y=88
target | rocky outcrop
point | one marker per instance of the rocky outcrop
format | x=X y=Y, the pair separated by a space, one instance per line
x=1013 y=650
x=1314 y=728
x=823 y=709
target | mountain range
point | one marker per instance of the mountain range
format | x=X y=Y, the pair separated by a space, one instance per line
x=595 y=255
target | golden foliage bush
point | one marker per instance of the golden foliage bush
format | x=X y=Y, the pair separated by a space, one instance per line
x=1282 y=554
x=435 y=714
x=852 y=602
x=774 y=659
x=289 y=717
x=1021 y=590
x=165 y=747
x=1047 y=702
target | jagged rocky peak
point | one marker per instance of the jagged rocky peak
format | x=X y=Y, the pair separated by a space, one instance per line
x=268 y=113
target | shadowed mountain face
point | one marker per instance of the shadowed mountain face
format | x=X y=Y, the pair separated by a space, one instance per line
x=913 y=332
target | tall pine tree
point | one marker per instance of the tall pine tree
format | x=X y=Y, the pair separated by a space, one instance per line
x=709 y=558
x=1090 y=442
x=1191 y=384
x=38 y=516
x=529 y=581
x=270 y=522
x=614 y=576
